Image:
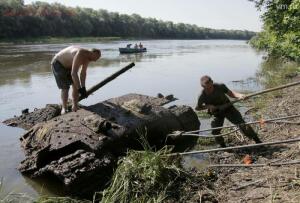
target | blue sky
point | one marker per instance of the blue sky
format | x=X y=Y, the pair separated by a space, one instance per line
x=219 y=14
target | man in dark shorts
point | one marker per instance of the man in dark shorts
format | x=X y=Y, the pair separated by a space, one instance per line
x=65 y=66
x=214 y=96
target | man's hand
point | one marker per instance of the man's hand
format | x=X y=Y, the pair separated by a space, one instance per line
x=82 y=92
x=237 y=95
x=241 y=96
x=211 y=108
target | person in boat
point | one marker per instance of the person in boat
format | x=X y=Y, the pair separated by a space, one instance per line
x=128 y=46
x=214 y=98
x=140 y=45
x=65 y=66
x=136 y=46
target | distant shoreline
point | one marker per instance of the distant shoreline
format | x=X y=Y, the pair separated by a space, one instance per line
x=55 y=40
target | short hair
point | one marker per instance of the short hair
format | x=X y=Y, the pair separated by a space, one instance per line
x=205 y=79
x=96 y=50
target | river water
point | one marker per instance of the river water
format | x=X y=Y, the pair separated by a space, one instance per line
x=169 y=67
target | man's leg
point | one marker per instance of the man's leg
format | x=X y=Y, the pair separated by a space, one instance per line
x=235 y=117
x=218 y=121
x=75 y=96
x=64 y=99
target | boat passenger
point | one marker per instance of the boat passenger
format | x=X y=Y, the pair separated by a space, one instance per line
x=140 y=45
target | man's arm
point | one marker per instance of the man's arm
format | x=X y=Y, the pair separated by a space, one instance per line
x=83 y=74
x=77 y=62
x=231 y=93
x=236 y=95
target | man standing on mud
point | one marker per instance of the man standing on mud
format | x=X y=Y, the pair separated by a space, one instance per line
x=213 y=98
x=65 y=66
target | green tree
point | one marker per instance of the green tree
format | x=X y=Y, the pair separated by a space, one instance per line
x=281 y=31
x=40 y=19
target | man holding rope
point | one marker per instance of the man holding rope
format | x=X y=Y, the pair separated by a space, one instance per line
x=213 y=98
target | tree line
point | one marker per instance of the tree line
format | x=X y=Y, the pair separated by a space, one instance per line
x=40 y=19
x=281 y=28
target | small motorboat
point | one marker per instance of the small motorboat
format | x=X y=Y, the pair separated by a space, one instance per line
x=129 y=50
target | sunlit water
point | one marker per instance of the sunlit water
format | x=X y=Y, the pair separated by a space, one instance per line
x=169 y=67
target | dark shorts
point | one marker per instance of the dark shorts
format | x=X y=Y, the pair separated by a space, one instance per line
x=62 y=75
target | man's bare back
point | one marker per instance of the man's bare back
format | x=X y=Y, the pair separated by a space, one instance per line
x=66 y=56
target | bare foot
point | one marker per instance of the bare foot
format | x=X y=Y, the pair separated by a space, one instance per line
x=63 y=111
x=74 y=108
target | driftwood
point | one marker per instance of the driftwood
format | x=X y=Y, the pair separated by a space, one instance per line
x=250 y=184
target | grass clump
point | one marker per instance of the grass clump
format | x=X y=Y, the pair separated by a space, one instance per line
x=203 y=114
x=147 y=176
x=59 y=200
x=275 y=72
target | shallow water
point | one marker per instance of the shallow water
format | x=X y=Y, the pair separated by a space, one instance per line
x=169 y=67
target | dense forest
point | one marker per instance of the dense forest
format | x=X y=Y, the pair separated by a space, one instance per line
x=281 y=31
x=41 y=19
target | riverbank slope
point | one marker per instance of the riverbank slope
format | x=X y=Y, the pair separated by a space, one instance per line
x=267 y=183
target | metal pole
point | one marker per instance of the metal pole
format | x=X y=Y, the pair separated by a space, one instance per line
x=258 y=93
x=237 y=147
x=107 y=80
x=256 y=165
x=248 y=123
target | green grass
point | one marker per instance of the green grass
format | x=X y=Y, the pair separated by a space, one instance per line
x=203 y=114
x=143 y=176
x=273 y=73
x=59 y=200
x=204 y=142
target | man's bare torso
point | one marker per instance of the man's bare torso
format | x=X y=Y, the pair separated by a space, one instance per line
x=66 y=56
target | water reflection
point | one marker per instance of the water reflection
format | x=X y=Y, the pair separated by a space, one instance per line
x=19 y=63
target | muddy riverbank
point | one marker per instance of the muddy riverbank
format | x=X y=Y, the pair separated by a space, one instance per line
x=268 y=183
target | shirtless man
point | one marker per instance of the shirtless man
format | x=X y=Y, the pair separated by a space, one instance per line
x=65 y=66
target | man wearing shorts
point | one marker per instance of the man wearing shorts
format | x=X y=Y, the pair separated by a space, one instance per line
x=65 y=66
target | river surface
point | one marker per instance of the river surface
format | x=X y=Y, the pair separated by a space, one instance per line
x=169 y=67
